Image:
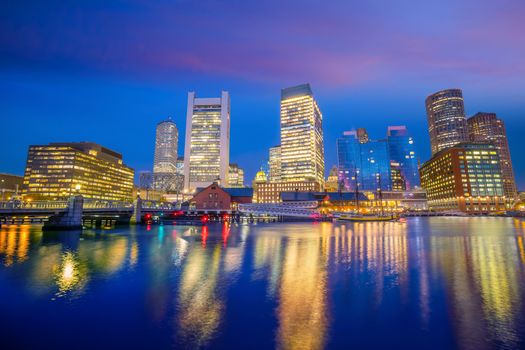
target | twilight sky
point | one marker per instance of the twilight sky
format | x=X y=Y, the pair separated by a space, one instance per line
x=108 y=71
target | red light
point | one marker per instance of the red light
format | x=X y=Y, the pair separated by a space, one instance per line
x=204 y=218
x=147 y=216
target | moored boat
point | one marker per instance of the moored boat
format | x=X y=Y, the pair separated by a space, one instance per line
x=368 y=218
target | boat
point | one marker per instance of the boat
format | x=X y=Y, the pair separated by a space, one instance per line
x=368 y=218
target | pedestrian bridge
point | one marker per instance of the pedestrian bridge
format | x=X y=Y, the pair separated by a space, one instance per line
x=287 y=209
x=89 y=205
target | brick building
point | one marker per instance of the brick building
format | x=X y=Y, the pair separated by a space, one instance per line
x=217 y=198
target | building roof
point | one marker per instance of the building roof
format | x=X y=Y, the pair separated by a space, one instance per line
x=239 y=191
x=232 y=191
x=295 y=91
x=319 y=196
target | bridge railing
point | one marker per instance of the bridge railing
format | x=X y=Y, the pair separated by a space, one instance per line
x=88 y=204
x=33 y=204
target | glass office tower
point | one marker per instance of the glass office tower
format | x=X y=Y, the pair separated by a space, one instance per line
x=402 y=154
x=447 y=124
x=363 y=164
x=207 y=147
x=302 y=147
x=166 y=139
x=487 y=127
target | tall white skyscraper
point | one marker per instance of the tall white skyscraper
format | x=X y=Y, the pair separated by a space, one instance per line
x=167 y=137
x=302 y=146
x=207 y=147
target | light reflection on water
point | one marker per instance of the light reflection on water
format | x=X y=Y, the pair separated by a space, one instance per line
x=436 y=282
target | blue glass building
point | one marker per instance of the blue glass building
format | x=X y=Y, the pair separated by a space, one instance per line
x=368 y=161
x=402 y=151
x=389 y=164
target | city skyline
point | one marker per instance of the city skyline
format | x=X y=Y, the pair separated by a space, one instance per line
x=83 y=95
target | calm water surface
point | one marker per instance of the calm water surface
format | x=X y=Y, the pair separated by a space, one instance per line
x=430 y=283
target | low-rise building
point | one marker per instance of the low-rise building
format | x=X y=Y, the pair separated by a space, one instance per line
x=270 y=192
x=215 y=198
x=466 y=177
x=58 y=170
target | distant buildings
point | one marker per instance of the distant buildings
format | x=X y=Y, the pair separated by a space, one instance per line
x=236 y=176
x=207 y=146
x=471 y=168
x=58 y=170
x=332 y=182
x=447 y=124
x=10 y=186
x=302 y=145
x=275 y=164
x=487 y=127
x=387 y=164
x=465 y=177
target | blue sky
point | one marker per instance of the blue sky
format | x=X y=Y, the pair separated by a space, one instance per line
x=109 y=71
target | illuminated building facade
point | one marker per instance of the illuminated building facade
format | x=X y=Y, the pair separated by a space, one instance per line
x=447 y=124
x=275 y=164
x=166 y=139
x=10 y=186
x=389 y=164
x=466 y=177
x=270 y=192
x=302 y=147
x=402 y=154
x=207 y=147
x=487 y=127
x=332 y=182
x=365 y=165
x=58 y=170
x=236 y=176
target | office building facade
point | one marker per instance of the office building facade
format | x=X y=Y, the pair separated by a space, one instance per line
x=207 y=146
x=274 y=164
x=402 y=154
x=235 y=176
x=447 y=124
x=59 y=170
x=166 y=140
x=302 y=145
x=387 y=164
x=487 y=127
x=466 y=177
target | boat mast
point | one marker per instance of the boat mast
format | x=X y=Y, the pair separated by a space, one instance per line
x=380 y=194
x=356 y=193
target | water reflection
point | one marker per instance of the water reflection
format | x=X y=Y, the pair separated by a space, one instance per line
x=458 y=282
x=71 y=275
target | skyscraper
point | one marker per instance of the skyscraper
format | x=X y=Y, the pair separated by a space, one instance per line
x=486 y=127
x=207 y=147
x=167 y=137
x=361 y=164
x=302 y=146
x=402 y=153
x=275 y=164
x=447 y=124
